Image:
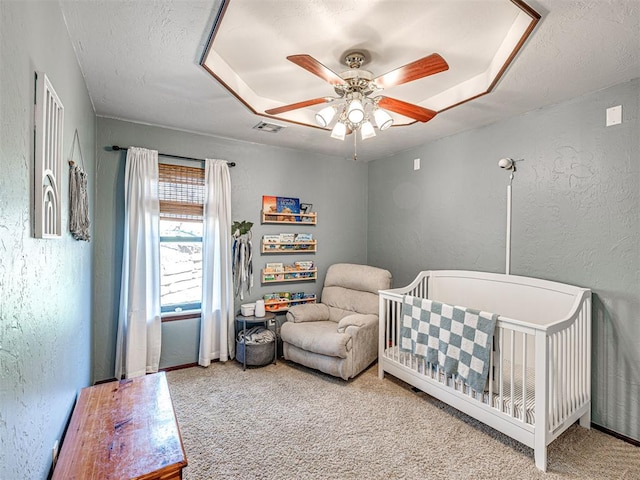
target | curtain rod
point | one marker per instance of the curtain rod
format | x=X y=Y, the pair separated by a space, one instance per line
x=116 y=148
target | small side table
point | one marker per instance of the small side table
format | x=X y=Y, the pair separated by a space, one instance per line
x=253 y=320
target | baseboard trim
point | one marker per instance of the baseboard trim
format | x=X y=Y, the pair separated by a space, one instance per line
x=180 y=367
x=114 y=379
x=619 y=436
x=166 y=369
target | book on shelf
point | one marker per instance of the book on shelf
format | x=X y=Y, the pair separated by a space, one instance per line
x=274 y=267
x=304 y=237
x=287 y=237
x=270 y=242
x=283 y=300
x=277 y=297
x=272 y=205
x=271 y=239
x=303 y=265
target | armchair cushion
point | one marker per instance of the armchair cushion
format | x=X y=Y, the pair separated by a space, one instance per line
x=357 y=320
x=319 y=337
x=309 y=312
x=342 y=302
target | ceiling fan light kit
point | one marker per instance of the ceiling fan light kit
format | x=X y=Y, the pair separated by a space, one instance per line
x=324 y=116
x=355 y=111
x=339 y=131
x=366 y=130
x=382 y=118
x=358 y=101
x=490 y=34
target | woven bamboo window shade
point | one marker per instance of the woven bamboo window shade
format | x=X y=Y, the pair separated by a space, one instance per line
x=181 y=191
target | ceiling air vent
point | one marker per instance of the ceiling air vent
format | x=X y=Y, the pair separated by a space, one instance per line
x=268 y=127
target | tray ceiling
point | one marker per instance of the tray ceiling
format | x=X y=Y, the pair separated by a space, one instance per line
x=141 y=61
x=478 y=39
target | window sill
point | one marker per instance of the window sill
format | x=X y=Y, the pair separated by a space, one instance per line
x=172 y=317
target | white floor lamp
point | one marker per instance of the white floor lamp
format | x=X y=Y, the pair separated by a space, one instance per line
x=510 y=165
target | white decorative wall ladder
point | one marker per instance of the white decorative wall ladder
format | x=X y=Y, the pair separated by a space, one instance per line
x=49 y=122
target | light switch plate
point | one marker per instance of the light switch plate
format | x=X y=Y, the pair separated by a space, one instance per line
x=416 y=164
x=614 y=115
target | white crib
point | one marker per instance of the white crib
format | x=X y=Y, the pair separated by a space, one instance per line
x=540 y=374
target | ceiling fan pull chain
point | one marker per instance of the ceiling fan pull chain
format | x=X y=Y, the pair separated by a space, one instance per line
x=355 y=146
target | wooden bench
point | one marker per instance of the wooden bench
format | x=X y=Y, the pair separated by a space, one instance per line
x=123 y=430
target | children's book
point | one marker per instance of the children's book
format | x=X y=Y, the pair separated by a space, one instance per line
x=273 y=268
x=287 y=237
x=272 y=205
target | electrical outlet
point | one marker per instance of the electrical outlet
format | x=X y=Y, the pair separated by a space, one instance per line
x=54 y=452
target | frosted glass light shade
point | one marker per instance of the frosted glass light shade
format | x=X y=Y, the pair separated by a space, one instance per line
x=383 y=119
x=324 y=116
x=367 y=131
x=355 y=112
x=339 y=131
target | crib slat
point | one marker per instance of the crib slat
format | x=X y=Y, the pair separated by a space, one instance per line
x=492 y=369
x=501 y=374
x=553 y=381
x=524 y=377
x=572 y=367
x=563 y=385
x=512 y=392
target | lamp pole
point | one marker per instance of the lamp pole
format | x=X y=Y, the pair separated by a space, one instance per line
x=508 y=243
x=510 y=165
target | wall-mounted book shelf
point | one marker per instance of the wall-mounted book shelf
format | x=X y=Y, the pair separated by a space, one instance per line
x=283 y=304
x=287 y=211
x=289 y=247
x=290 y=218
x=289 y=275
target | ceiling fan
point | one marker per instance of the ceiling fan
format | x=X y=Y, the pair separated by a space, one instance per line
x=359 y=96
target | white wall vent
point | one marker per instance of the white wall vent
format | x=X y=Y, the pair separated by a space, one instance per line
x=268 y=127
x=49 y=121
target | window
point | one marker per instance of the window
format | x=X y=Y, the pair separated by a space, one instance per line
x=181 y=192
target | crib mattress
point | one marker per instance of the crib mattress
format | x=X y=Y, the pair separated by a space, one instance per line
x=502 y=402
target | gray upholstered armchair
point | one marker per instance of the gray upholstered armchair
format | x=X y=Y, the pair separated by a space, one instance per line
x=340 y=335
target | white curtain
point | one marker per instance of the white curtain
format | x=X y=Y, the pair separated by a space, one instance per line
x=139 y=323
x=217 y=322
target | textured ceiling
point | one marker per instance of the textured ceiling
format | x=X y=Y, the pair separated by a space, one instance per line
x=141 y=63
x=477 y=39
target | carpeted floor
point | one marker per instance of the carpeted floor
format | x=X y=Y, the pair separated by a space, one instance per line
x=287 y=422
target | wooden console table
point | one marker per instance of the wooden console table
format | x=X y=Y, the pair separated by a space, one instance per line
x=123 y=430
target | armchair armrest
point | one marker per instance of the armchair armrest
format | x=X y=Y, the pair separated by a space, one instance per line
x=308 y=312
x=357 y=320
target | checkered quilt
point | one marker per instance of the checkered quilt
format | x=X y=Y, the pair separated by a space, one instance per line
x=458 y=339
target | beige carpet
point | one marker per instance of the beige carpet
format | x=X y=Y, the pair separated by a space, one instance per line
x=287 y=422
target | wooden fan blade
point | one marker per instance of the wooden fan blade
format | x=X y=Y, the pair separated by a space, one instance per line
x=407 y=109
x=295 y=106
x=314 y=66
x=424 y=67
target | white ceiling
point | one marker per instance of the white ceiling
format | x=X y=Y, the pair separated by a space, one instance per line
x=476 y=38
x=141 y=61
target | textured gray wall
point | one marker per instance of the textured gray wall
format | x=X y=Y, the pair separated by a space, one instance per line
x=336 y=187
x=45 y=285
x=576 y=204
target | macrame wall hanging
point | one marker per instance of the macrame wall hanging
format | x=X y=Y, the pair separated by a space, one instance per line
x=79 y=224
x=242 y=266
